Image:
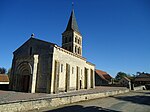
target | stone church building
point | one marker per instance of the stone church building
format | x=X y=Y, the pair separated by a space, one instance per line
x=40 y=66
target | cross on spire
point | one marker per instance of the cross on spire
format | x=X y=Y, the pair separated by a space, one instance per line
x=72 y=5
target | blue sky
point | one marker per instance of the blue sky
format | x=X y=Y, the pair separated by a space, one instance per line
x=116 y=33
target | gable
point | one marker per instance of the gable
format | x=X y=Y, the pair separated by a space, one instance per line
x=104 y=75
x=32 y=46
x=123 y=80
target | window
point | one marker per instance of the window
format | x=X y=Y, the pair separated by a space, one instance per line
x=78 y=41
x=61 y=67
x=79 y=50
x=72 y=70
x=75 y=39
x=75 y=49
x=30 y=50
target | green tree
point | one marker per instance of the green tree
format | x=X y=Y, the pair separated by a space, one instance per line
x=2 y=70
x=120 y=75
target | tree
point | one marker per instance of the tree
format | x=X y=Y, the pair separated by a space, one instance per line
x=9 y=72
x=142 y=73
x=120 y=75
x=2 y=70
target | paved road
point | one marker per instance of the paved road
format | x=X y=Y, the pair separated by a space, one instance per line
x=138 y=101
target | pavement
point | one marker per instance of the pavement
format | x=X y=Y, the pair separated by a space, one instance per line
x=12 y=96
x=134 y=101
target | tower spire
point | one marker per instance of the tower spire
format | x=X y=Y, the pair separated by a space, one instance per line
x=72 y=23
x=71 y=37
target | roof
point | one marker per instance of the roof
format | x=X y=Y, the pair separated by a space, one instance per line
x=34 y=39
x=4 y=78
x=104 y=75
x=143 y=77
x=126 y=78
x=72 y=24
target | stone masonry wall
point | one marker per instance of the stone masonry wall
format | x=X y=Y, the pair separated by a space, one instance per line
x=65 y=58
x=54 y=102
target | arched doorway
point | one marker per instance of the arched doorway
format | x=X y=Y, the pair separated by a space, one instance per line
x=24 y=77
x=25 y=80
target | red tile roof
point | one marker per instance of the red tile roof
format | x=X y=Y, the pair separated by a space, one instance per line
x=4 y=78
x=104 y=75
x=143 y=77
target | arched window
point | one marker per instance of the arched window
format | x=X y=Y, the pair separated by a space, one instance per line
x=75 y=49
x=78 y=41
x=75 y=39
x=79 y=50
x=30 y=50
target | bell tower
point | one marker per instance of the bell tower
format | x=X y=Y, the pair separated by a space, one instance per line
x=71 y=37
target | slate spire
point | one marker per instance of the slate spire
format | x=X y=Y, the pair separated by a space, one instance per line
x=72 y=24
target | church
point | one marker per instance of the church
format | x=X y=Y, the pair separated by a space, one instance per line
x=43 y=67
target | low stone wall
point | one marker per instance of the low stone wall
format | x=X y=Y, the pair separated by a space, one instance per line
x=26 y=105
x=139 y=88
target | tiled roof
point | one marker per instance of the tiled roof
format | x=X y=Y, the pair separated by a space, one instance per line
x=103 y=75
x=143 y=77
x=4 y=78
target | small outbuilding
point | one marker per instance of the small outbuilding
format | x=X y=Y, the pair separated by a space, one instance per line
x=102 y=78
x=4 y=82
x=125 y=81
x=142 y=79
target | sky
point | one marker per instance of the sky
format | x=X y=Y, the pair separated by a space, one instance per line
x=116 y=33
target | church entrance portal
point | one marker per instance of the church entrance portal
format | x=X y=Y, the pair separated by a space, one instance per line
x=26 y=80
x=24 y=77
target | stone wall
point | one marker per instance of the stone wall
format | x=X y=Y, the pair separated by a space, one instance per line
x=139 y=88
x=76 y=77
x=41 y=66
x=54 y=102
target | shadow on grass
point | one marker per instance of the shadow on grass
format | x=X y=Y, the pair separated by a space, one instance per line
x=79 y=108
